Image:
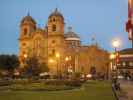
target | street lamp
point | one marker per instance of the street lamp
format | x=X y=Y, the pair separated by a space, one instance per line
x=112 y=57
x=66 y=65
x=25 y=56
x=51 y=60
x=66 y=59
x=112 y=68
x=115 y=44
x=57 y=55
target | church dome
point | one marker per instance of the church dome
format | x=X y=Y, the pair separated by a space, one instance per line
x=56 y=13
x=28 y=19
x=71 y=35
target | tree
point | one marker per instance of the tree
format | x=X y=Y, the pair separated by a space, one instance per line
x=93 y=70
x=32 y=66
x=9 y=62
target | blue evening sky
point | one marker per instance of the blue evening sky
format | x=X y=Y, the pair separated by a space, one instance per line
x=102 y=19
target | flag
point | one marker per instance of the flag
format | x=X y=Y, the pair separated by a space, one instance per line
x=129 y=23
x=130 y=9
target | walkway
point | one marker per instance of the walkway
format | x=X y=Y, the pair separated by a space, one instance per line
x=127 y=90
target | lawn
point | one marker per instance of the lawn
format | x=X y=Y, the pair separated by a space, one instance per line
x=93 y=90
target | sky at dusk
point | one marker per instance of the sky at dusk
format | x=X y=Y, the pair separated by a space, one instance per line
x=102 y=19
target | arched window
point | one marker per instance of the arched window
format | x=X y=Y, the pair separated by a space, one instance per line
x=24 y=44
x=53 y=19
x=53 y=51
x=53 y=41
x=25 y=31
x=54 y=28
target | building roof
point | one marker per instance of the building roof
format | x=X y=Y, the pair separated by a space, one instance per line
x=56 y=13
x=127 y=51
x=28 y=18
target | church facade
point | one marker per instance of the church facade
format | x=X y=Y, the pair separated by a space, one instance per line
x=61 y=51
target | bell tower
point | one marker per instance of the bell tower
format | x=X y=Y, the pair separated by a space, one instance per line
x=27 y=26
x=55 y=40
x=56 y=23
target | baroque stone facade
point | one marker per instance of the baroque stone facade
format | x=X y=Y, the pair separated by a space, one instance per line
x=61 y=51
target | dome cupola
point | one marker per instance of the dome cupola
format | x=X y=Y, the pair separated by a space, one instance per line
x=28 y=19
x=70 y=35
x=56 y=13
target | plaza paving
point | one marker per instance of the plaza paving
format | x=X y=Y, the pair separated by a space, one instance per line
x=127 y=90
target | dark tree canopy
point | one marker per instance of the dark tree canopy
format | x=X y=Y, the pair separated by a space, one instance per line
x=9 y=62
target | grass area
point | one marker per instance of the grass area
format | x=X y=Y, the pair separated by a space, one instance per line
x=93 y=90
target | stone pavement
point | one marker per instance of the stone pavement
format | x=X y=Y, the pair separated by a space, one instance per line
x=126 y=90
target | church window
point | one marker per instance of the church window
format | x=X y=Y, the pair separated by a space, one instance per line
x=53 y=19
x=53 y=51
x=24 y=44
x=54 y=28
x=53 y=41
x=25 y=31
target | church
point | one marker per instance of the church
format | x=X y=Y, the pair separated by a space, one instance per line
x=61 y=51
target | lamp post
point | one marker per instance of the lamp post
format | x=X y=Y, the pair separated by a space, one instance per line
x=66 y=65
x=112 y=57
x=112 y=68
x=51 y=60
x=115 y=44
x=57 y=57
x=25 y=56
x=76 y=60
